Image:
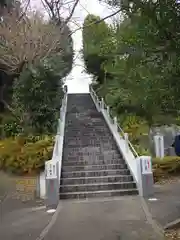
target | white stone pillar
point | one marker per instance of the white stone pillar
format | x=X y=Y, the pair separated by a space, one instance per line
x=159 y=146
x=145 y=176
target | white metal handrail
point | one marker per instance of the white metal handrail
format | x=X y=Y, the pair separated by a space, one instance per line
x=130 y=144
x=106 y=108
x=57 y=151
x=59 y=139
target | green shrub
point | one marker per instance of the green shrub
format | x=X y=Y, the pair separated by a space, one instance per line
x=131 y=121
x=37 y=95
x=135 y=127
x=166 y=167
x=11 y=127
x=142 y=151
x=23 y=156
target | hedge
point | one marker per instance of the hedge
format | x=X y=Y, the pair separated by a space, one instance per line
x=25 y=155
x=166 y=167
x=22 y=155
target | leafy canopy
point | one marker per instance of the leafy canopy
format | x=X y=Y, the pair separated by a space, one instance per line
x=136 y=62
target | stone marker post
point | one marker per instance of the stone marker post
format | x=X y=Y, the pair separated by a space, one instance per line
x=159 y=146
x=145 y=175
x=52 y=183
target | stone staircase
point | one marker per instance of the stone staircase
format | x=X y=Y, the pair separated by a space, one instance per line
x=92 y=165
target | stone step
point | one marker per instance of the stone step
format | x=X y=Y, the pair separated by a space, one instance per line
x=93 y=167
x=94 y=173
x=92 y=131
x=88 y=161
x=96 y=187
x=75 y=120
x=87 y=121
x=100 y=179
x=97 y=123
x=101 y=141
x=87 y=133
x=103 y=147
x=90 y=158
x=79 y=126
x=105 y=137
x=98 y=140
x=98 y=194
x=90 y=152
x=93 y=137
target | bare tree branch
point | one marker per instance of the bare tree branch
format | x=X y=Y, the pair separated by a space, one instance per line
x=25 y=10
x=98 y=21
x=70 y=15
x=26 y=41
x=49 y=7
x=55 y=9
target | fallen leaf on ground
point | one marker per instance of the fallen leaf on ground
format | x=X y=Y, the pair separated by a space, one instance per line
x=172 y=234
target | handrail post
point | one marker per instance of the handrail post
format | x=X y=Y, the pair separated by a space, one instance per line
x=61 y=112
x=126 y=141
x=102 y=103
x=108 y=111
x=59 y=127
x=115 y=123
x=65 y=89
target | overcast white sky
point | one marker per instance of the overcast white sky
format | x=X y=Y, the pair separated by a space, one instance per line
x=78 y=81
